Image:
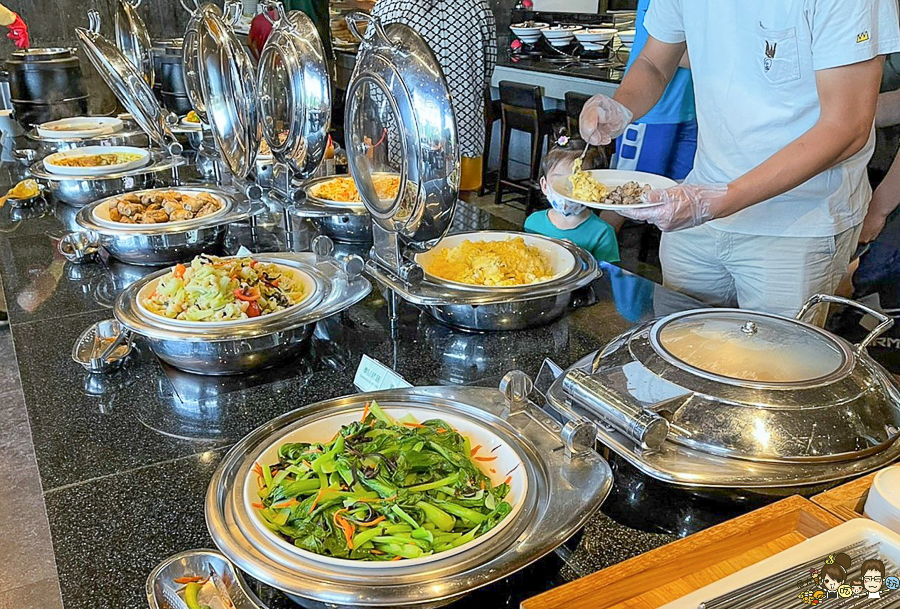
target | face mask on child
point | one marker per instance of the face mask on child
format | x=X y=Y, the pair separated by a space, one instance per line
x=563 y=206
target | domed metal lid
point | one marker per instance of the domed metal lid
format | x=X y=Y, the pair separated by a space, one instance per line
x=190 y=50
x=228 y=84
x=295 y=92
x=399 y=119
x=750 y=349
x=133 y=39
x=128 y=85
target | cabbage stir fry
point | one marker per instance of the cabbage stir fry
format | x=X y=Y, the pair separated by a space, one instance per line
x=223 y=289
x=381 y=490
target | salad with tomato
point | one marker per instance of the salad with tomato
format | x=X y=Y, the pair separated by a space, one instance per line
x=223 y=289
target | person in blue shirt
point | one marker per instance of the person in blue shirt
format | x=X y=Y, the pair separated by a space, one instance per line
x=567 y=220
x=664 y=141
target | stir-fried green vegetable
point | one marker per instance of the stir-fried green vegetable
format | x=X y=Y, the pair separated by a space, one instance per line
x=380 y=490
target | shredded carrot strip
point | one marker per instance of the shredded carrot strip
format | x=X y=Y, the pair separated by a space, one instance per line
x=416 y=425
x=379 y=552
x=188 y=580
x=485 y=458
x=346 y=527
x=316 y=500
x=258 y=469
x=366 y=411
x=396 y=558
x=307 y=463
x=371 y=523
x=493 y=471
x=285 y=504
x=482 y=485
x=508 y=480
x=441 y=430
x=258 y=506
x=474 y=450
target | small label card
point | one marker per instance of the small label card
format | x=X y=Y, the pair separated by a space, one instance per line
x=372 y=375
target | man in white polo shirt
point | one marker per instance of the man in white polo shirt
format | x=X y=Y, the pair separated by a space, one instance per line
x=785 y=93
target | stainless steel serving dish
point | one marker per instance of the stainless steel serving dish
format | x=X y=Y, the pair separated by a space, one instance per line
x=567 y=482
x=260 y=342
x=344 y=222
x=129 y=136
x=159 y=244
x=83 y=190
x=732 y=399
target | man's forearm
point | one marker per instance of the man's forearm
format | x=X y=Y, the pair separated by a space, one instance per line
x=815 y=151
x=887 y=196
x=887 y=112
x=642 y=87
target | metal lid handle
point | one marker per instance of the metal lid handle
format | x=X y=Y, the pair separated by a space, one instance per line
x=374 y=25
x=884 y=322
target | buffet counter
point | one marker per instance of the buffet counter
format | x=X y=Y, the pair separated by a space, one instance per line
x=125 y=458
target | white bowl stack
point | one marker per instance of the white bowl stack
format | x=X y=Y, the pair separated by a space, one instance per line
x=883 y=503
x=627 y=38
x=595 y=39
x=527 y=31
x=560 y=35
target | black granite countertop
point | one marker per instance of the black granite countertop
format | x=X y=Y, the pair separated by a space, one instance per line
x=610 y=71
x=124 y=459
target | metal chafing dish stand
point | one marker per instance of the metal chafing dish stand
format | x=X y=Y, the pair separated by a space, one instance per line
x=135 y=94
x=253 y=343
x=719 y=399
x=400 y=120
x=567 y=482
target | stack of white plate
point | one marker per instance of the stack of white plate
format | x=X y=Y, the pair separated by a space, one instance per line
x=883 y=503
x=627 y=38
x=560 y=35
x=528 y=32
x=595 y=39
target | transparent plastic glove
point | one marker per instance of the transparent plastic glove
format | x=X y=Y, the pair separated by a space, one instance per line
x=602 y=120
x=682 y=206
x=18 y=33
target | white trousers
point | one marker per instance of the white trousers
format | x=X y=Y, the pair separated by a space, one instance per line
x=757 y=272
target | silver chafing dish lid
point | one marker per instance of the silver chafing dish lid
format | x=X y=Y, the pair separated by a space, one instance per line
x=133 y=39
x=400 y=119
x=295 y=93
x=227 y=81
x=129 y=86
x=725 y=397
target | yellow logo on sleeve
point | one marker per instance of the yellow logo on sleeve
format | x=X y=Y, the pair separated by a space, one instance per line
x=862 y=37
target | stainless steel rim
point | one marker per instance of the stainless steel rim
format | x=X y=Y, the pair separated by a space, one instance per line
x=563 y=496
x=160 y=162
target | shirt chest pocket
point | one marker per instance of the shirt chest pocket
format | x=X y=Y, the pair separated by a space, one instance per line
x=777 y=56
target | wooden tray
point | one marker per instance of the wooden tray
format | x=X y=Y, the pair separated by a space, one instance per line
x=848 y=500
x=672 y=571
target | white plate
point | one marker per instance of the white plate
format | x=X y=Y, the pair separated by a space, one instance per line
x=562 y=259
x=50 y=166
x=823 y=544
x=101 y=214
x=309 y=286
x=612 y=178
x=186 y=124
x=507 y=463
x=597 y=36
x=79 y=126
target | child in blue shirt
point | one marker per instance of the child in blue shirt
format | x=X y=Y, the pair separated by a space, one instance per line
x=569 y=220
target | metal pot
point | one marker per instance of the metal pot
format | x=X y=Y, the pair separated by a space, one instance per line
x=80 y=191
x=260 y=342
x=345 y=222
x=725 y=398
x=515 y=315
x=161 y=244
x=45 y=85
x=169 y=69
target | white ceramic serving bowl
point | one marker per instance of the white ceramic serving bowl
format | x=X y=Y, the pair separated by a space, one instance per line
x=101 y=215
x=306 y=280
x=51 y=166
x=562 y=260
x=506 y=464
x=598 y=36
x=79 y=126
x=528 y=34
x=883 y=502
x=560 y=36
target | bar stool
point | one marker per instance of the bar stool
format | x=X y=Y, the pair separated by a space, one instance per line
x=522 y=109
x=492 y=114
